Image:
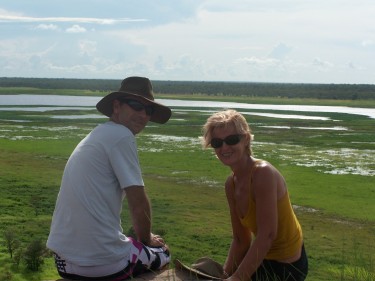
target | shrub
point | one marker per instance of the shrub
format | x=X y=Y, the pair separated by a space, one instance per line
x=11 y=241
x=34 y=255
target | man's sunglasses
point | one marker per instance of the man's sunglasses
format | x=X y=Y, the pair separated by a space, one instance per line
x=229 y=140
x=138 y=106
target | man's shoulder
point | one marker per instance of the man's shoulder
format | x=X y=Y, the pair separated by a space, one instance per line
x=110 y=129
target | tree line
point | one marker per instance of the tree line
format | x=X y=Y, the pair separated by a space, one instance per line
x=251 y=89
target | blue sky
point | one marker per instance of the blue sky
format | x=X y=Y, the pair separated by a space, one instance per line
x=287 y=41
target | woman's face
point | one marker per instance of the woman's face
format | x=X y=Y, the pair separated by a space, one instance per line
x=232 y=153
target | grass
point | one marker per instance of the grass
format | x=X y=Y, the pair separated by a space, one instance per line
x=185 y=186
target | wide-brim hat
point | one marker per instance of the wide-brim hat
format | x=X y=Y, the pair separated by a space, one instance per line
x=204 y=268
x=137 y=88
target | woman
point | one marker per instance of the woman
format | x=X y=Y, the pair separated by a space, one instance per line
x=267 y=237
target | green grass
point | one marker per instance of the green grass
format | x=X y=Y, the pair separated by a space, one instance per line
x=185 y=186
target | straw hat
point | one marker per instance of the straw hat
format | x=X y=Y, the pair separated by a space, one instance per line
x=205 y=268
x=140 y=89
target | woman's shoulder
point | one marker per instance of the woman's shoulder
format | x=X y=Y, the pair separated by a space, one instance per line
x=260 y=163
x=229 y=181
x=265 y=174
x=263 y=168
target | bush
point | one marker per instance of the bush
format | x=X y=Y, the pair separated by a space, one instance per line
x=34 y=255
x=6 y=276
x=11 y=241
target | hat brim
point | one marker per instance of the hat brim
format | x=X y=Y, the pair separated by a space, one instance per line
x=179 y=265
x=161 y=113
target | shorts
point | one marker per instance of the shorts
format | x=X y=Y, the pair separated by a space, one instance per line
x=141 y=259
x=274 y=270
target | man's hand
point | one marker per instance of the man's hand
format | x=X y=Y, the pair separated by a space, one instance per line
x=140 y=211
x=157 y=241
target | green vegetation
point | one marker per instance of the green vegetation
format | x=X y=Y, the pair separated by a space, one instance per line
x=351 y=92
x=329 y=172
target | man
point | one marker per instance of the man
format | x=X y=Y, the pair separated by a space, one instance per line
x=86 y=234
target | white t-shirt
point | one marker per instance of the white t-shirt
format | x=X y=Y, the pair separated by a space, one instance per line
x=86 y=225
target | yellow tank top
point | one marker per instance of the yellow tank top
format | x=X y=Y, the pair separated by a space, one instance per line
x=289 y=233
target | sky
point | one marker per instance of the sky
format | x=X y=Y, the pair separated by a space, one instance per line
x=281 y=41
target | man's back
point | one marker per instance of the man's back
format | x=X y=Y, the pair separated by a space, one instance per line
x=90 y=199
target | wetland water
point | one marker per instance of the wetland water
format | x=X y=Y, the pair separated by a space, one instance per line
x=61 y=102
x=341 y=159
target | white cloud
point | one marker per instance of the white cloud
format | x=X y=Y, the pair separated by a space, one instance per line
x=258 y=62
x=87 y=47
x=367 y=43
x=16 y=18
x=280 y=51
x=321 y=63
x=47 y=26
x=266 y=41
x=351 y=65
x=75 y=29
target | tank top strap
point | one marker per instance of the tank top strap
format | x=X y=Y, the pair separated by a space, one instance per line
x=253 y=168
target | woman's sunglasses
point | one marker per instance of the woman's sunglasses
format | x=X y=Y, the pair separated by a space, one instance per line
x=138 y=106
x=229 y=140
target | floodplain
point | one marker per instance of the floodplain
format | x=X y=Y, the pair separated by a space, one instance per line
x=327 y=159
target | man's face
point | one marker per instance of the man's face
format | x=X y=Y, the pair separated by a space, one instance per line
x=131 y=114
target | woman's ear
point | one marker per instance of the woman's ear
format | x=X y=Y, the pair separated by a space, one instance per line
x=248 y=138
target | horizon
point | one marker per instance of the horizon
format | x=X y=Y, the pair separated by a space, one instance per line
x=193 y=81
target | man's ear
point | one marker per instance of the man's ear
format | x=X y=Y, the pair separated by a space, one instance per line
x=115 y=106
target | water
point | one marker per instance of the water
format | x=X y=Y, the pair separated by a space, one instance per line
x=56 y=102
x=334 y=161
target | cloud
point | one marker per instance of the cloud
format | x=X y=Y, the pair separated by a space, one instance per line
x=259 y=62
x=351 y=65
x=277 y=41
x=11 y=18
x=280 y=51
x=322 y=64
x=76 y=29
x=367 y=43
x=47 y=26
x=87 y=47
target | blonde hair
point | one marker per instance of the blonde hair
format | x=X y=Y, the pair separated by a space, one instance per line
x=223 y=119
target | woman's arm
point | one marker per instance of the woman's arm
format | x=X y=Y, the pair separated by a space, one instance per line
x=241 y=236
x=264 y=188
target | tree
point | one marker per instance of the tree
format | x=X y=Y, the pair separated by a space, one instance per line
x=34 y=255
x=18 y=254
x=11 y=241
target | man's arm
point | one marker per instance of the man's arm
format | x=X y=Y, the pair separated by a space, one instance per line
x=140 y=212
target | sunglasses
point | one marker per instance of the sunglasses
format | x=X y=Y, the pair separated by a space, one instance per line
x=229 y=140
x=138 y=106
